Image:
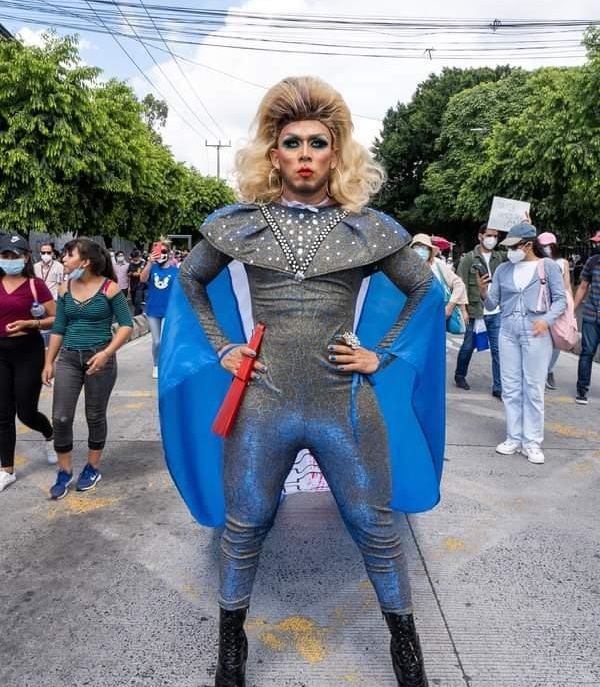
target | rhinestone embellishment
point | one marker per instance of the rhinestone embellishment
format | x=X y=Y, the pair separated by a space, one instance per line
x=305 y=252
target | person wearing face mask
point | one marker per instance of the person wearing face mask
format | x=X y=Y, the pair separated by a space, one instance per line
x=48 y=269
x=26 y=306
x=160 y=276
x=136 y=288
x=424 y=248
x=525 y=341
x=82 y=333
x=121 y=270
x=549 y=244
x=484 y=260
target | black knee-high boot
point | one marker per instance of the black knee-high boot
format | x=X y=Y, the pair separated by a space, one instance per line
x=407 y=658
x=233 y=649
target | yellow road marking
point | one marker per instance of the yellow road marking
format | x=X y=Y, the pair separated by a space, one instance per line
x=583 y=468
x=302 y=633
x=453 y=544
x=573 y=432
x=79 y=504
x=190 y=592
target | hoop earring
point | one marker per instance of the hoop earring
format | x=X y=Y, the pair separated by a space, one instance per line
x=275 y=170
x=327 y=190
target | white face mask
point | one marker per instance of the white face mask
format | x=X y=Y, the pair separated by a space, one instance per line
x=490 y=242
x=516 y=255
x=46 y=257
x=548 y=251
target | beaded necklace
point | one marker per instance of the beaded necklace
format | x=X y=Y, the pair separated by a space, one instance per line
x=299 y=268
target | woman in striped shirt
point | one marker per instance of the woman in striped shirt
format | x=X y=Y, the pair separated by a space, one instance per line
x=82 y=332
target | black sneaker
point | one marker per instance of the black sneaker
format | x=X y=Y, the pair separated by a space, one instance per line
x=550 y=383
x=581 y=399
x=462 y=383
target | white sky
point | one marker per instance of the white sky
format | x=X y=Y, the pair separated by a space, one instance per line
x=370 y=86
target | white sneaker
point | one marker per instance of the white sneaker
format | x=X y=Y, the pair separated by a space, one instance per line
x=51 y=456
x=155 y=372
x=6 y=478
x=534 y=454
x=508 y=447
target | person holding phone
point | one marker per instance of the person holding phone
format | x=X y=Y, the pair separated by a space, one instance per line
x=26 y=306
x=484 y=259
x=525 y=343
x=82 y=333
x=160 y=276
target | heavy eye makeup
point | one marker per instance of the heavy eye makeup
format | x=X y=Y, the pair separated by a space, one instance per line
x=318 y=142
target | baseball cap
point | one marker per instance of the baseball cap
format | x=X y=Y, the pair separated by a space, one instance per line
x=547 y=238
x=13 y=243
x=518 y=233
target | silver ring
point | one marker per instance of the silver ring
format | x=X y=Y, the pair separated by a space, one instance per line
x=350 y=339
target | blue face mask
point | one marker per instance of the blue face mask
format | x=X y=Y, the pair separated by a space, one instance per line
x=76 y=274
x=422 y=252
x=12 y=267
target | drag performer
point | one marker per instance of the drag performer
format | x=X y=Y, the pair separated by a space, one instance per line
x=351 y=365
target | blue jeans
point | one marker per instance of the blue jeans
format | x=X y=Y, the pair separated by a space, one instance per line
x=524 y=359
x=492 y=323
x=590 y=340
x=155 y=326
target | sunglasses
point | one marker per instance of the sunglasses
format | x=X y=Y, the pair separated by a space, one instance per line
x=45 y=252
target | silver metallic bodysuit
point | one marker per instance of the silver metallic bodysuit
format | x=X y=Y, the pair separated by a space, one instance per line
x=303 y=400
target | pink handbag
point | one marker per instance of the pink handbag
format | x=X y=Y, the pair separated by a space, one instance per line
x=564 y=332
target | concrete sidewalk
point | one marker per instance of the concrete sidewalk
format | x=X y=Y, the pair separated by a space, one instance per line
x=118 y=586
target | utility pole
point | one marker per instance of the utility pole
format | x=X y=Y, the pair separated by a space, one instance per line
x=218 y=146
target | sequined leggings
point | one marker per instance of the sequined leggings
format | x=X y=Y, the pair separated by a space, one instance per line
x=258 y=457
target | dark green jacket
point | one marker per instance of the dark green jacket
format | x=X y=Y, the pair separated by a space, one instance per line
x=467 y=274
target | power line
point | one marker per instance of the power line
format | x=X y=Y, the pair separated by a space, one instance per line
x=183 y=100
x=146 y=77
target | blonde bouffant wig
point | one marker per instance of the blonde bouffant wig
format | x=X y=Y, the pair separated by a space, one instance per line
x=356 y=176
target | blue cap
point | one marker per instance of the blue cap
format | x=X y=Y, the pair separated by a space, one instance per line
x=518 y=233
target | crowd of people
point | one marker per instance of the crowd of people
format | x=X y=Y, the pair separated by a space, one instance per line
x=57 y=318
x=478 y=298
x=313 y=384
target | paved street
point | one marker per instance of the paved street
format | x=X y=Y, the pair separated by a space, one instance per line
x=117 y=586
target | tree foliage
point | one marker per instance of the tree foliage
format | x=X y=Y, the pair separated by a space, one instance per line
x=527 y=135
x=408 y=141
x=80 y=155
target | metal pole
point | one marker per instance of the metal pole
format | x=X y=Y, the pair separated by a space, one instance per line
x=218 y=146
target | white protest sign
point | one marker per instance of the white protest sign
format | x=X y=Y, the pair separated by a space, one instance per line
x=506 y=212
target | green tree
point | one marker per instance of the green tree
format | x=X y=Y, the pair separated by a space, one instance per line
x=80 y=156
x=469 y=119
x=45 y=113
x=407 y=144
x=548 y=153
x=155 y=111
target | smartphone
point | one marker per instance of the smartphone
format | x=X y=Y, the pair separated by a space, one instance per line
x=481 y=268
x=156 y=249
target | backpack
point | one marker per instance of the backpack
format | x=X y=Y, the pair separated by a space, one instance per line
x=564 y=332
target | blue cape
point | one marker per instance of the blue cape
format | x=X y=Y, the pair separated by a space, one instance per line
x=410 y=391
